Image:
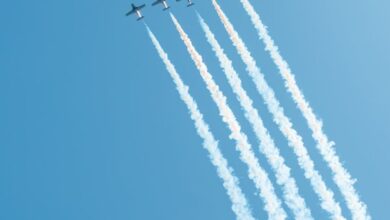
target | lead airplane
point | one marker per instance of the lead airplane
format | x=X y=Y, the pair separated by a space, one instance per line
x=136 y=10
x=190 y=3
x=163 y=2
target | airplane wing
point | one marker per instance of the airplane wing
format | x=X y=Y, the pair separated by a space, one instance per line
x=156 y=2
x=135 y=9
x=130 y=12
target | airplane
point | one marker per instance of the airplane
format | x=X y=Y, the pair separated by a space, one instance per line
x=164 y=2
x=190 y=3
x=137 y=11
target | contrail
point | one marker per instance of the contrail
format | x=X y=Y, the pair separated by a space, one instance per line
x=340 y=175
x=294 y=139
x=256 y=173
x=267 y=146
x=230 y=182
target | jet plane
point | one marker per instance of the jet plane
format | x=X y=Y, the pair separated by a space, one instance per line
x=190 y=3
x=137 y=11
x=164 y=2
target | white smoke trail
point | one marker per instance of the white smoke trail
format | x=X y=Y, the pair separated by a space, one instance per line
x=230 y=182
x=267 y=146
x=294 y=139
x=256 y=173
x=340 y=175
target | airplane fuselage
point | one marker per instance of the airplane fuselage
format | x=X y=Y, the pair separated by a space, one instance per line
x=138 y=13
x=165 y=4
x=190 y=3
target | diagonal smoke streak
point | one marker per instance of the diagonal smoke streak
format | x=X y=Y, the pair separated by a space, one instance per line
x=295 y=141
x=340 y=175
x=256 y=173
x=230 y=182
x=267 y=146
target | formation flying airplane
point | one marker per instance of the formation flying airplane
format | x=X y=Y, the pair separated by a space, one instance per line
x=190 y=3
x=137 y=11
x=163 y=2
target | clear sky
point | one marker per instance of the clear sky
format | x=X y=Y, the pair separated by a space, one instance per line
x=92 y=127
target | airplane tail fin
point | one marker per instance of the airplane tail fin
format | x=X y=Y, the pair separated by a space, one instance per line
x=191 y=4
x=166 y=8
x=140 y=18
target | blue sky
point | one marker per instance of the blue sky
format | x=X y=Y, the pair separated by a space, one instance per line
x=91 y=126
